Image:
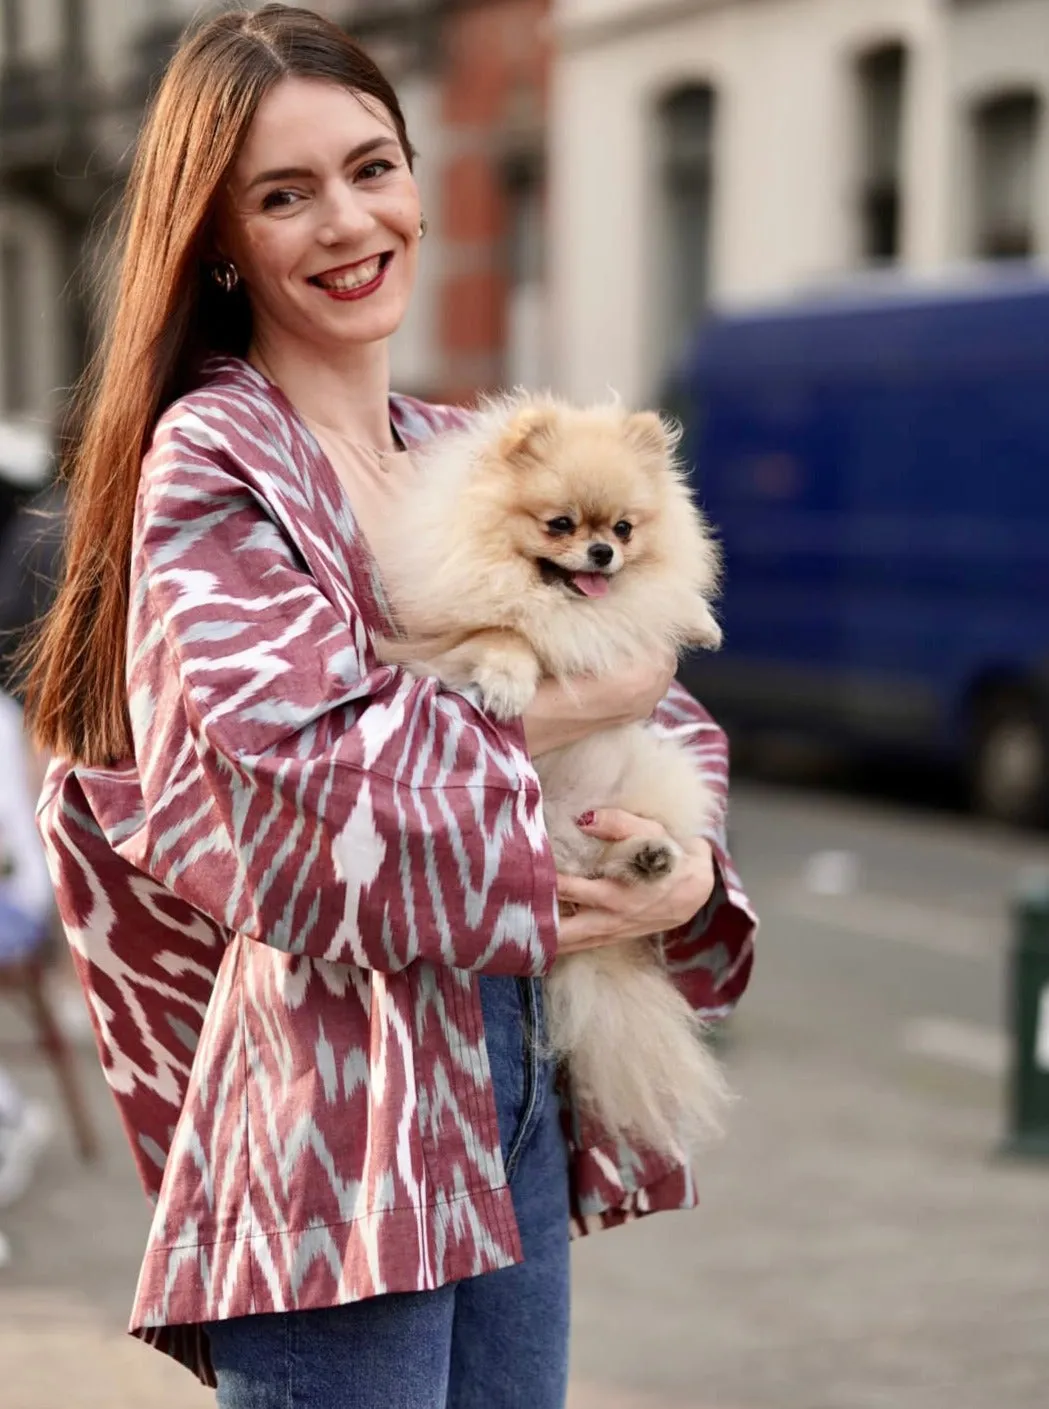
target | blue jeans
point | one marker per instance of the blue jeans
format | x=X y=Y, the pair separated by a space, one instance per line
x=498 y=1341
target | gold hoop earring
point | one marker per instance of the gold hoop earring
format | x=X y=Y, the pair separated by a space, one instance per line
x=424 y=225
x=226 y=276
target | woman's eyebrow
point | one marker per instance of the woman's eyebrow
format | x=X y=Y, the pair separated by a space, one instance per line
x=287 y=173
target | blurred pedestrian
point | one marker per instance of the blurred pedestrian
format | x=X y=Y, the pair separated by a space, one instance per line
x=29 y=551
x=30 y=566
x=312 y=895
x=25 y=467
x=25 y=910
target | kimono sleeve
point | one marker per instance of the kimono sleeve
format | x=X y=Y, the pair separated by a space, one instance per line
x=711 y=957
x=294 y=790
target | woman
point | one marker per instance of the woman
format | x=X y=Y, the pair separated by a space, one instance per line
x=311 y=897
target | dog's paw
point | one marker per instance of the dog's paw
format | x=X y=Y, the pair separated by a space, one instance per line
x=640 y=859
x=508 y=687
x=652 y=860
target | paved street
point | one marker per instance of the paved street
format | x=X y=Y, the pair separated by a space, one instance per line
x=860 y=1245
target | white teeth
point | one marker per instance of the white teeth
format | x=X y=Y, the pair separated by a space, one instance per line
x=354 y=278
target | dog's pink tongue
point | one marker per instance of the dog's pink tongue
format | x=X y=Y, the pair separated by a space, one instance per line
x=591 y=584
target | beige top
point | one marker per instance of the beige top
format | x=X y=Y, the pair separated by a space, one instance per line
x=376 y=481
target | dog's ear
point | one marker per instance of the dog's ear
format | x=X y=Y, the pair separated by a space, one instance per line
x=523 y=439
x=648 y=435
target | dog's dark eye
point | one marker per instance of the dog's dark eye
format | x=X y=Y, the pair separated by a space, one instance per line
x=623 y=530
x=560 y=525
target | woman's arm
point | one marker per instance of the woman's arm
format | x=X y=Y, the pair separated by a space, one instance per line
x=295 y=790
x=707 y=923
x=710 y=955
x=561 y=715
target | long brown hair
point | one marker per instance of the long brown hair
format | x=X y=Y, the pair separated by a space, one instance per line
x=167 y=316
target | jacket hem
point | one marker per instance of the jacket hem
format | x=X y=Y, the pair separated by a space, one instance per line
x=325 y=1265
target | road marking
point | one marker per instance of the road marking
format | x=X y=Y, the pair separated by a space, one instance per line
x=903 y=921
x=832 y=873
x=984 y=1050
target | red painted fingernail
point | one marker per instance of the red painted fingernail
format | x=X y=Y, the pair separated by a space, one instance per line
x=585 y=820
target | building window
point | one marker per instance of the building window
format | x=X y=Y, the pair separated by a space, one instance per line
x=10 y=29
x=14 y=353
x=881 y=83
x=1005 y=142
x=686 y=135
x=526 y=351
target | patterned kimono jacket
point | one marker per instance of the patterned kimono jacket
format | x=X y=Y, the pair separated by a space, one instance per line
x=280 y=905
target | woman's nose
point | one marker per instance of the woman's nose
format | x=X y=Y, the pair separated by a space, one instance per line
x=343 y=216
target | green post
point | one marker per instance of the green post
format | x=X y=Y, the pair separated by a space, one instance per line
x=1029 y=1002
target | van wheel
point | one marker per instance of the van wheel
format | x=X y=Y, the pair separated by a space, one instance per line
x=1009 y=757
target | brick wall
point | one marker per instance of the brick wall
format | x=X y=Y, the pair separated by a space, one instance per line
x=494 y=81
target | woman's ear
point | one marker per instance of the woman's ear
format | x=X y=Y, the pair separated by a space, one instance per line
x=217 y=243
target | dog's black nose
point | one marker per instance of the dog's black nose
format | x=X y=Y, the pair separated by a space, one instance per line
x=600 y=554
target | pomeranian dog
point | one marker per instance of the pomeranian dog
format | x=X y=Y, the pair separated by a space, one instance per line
x=544 y=540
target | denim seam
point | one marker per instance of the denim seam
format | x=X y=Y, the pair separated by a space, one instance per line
x=291 y=1350
x=533 y=1085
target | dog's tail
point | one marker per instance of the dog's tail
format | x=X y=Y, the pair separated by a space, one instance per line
x=636 y=1055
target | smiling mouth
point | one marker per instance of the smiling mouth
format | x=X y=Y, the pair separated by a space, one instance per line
x=580 y=584
x=353 y=276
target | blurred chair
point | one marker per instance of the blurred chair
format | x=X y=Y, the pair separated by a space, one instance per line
x=23 y=980
x=29 y=555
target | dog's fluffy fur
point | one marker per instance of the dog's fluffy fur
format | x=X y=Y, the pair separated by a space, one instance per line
x=497 y=584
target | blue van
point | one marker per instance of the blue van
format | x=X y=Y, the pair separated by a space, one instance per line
x=877 y=465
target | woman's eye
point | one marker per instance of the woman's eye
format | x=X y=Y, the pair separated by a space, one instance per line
x=275 y=200
x=374 y=169
x=623 y=530
x=563 y=524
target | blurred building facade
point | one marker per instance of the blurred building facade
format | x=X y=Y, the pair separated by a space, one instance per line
x=728 y=151
x=595 y=172
x=472 y=78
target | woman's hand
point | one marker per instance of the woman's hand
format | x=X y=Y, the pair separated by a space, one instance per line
x=608 y=912
x=564 y=714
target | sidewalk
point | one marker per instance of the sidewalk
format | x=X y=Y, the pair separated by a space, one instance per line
x=859 y=1248
x=63 y=1300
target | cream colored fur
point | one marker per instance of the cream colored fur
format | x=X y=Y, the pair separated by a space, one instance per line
x=475 y=609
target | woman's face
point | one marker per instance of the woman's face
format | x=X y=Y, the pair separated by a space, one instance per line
x=321 y=217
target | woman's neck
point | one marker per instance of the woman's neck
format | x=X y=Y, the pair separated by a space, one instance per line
x=350 y=395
